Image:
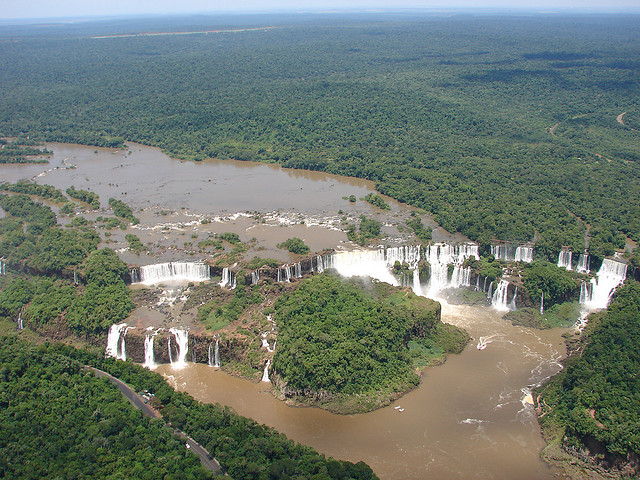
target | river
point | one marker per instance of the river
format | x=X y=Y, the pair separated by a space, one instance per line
x=469 y=418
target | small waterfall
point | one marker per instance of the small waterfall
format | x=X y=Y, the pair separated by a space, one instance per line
x=284 y=274
x=511 y=253
x=182 y=339
x=214 y=354
x=542 y=303
x=484 y=286
x=499 y=299
x=174 y=271
x=319 y=264
x=297 y=270
x=477 y=288
x=512 y=304
x=610 y=275
x=255 y=276
x=115 y=341
x=564 y=259
x=461 y=277
x=228 y=279
x=20 y=324
x=75 y=278
x=583 y=263
x=135 y=277
x=586 y=291
x=489 y=295
x=3 y=266
x=149 y=357
x=265 y=374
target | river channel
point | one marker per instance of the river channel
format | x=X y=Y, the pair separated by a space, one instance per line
x=470 y=418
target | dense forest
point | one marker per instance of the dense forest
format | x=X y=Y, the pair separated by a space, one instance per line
x=504 y=128
x=352 y=347
x=594 y=402
x=59 y=421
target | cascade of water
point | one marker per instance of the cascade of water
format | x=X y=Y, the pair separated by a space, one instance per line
x=177 y=271
x=512 y=304
x=216 y=354
x=461 y=277
x=499 y=299
x=477 y=289
x=583 y=263
x=524 y=254
x=255 y=276
x=542 y=303
x=149 y=357
x=20 y=324
x=610 y=275
x=135 y=277
x=170 y=352
x=3 y=268
x=586 y=290
x=319 y=264
x=564 y=259
x=484 y=286
x=489 y=295
x=298 y=270
x=362 y=263
x=265 y=374
x=114 y=346
x=511 y=253
x=182 y=339
x=75 y=277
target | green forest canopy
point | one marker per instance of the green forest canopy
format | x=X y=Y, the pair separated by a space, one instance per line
x=502 y=127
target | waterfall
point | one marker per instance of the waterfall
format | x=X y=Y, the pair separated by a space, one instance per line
x=20 y=324
x=564 y=259
x=149 y=357
x=362 y=263
x=583 y=263
x=499 y=299
x=489 y=296
x=255 y=276
x=319 y=264
x=512 y=304
x=135 y=277
x=542 y=302
x=265 y=374
x=586 y=291
x=477 y=289
x=228 y=279
x=297 y=270
x=484 y=286
x=284 y=274
x=174 y=271
x=511 y=253
x=3 y=266
x=182 y=339
x=214 y=354
x=115 y=341
x=610 y=275
x=75 y=277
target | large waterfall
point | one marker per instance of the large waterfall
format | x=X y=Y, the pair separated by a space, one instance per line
x=564 y=259
x=598 y=293
x=512 y=253
x=115 y=341
x=149 y=357
x=379 y=263
x=182 y=339
x=174 y=271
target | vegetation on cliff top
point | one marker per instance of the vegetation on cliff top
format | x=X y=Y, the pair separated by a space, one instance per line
x=341 y=338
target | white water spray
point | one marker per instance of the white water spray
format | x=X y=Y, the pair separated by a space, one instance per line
x=149 y=357
x=182 y=339
x=174 y=271
x=265 y=373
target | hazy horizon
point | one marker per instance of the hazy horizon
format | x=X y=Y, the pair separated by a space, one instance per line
x=41 y=9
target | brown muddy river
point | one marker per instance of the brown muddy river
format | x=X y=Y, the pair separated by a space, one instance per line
x=469 y=418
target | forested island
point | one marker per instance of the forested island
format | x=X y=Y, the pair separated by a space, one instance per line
x=517 y=132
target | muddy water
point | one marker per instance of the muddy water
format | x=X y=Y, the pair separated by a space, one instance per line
x=469 y=419
x=173 y=197
x=466 y=420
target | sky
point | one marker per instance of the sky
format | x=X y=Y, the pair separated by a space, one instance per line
x=83 y=8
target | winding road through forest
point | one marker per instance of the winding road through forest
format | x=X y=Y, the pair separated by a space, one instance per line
x=206 y=458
